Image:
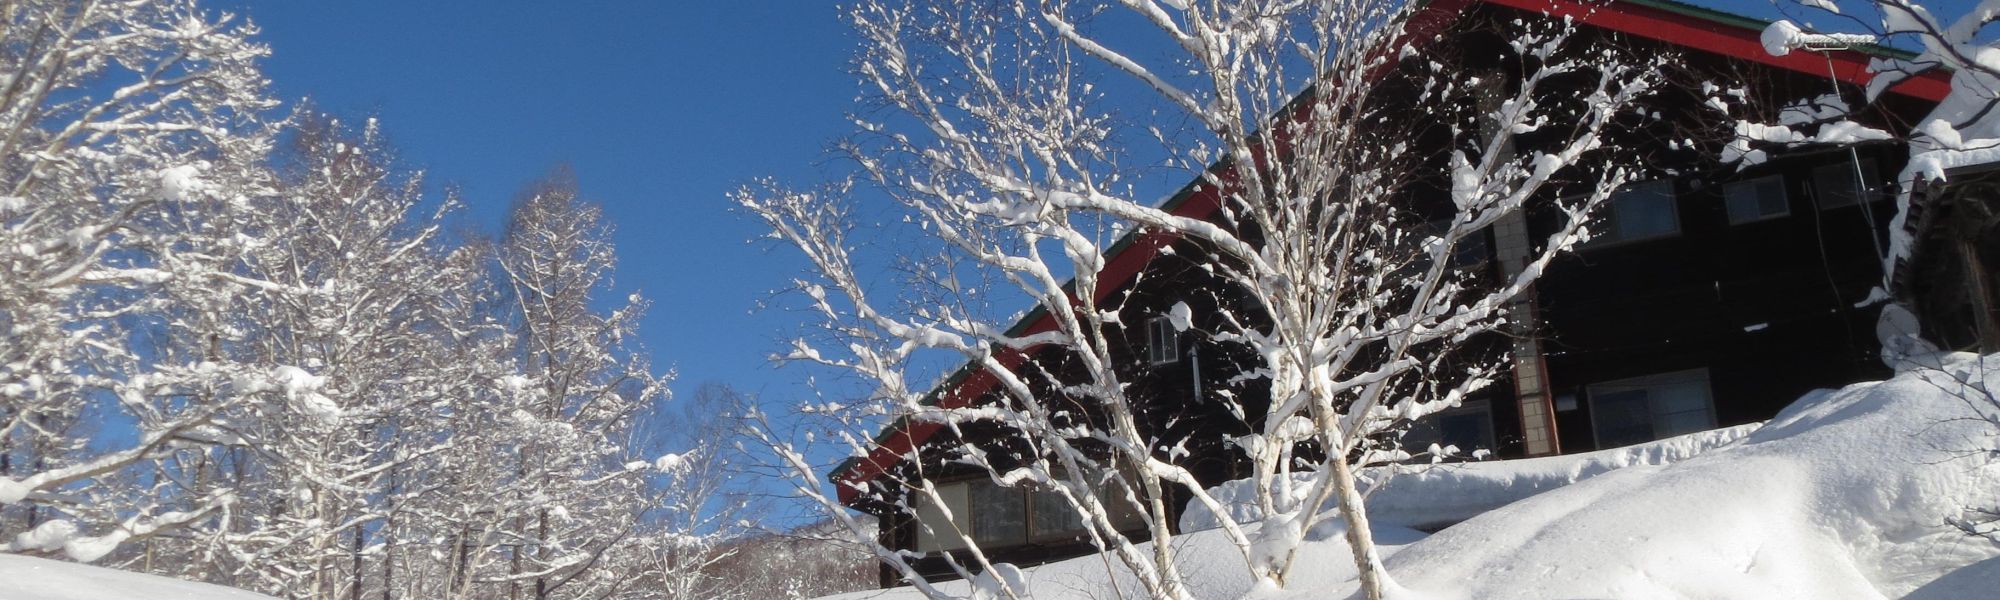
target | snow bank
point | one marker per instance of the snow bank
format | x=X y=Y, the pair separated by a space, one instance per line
x=1436 y=496
x=1845 y=494
x=1212 y=568
x=29 y=578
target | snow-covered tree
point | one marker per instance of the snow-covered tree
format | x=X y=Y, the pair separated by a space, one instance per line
x=1961 y=131
x=345 y=304
x=576 y=492
x=1018 y=137
x=120 y=122
x=700 y=497
x=251 y=351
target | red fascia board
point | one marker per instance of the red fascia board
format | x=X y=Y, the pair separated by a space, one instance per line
x=1629 y=18
x=1690 y=31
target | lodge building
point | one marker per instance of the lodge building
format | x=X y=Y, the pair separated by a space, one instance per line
x=1711 y=298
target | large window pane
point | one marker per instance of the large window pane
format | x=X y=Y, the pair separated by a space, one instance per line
x=1469 y=427
x=1646 y=210
x=1162 y=341
x=1642 y=409
x=999 y=515
x=935 y=532
x=1054 y=517
x=1124 y=514
x=1755 y=199
x=1638 y=211
x=1622 y=418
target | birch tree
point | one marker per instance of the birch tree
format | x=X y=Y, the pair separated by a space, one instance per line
x=1007 y=133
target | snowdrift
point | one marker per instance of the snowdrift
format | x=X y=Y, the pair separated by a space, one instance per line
x=1846 y=494
x=1432 y=497
x=29 y=578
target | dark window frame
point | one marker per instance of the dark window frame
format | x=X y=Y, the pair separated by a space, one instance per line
x=1870 y=173
x=1608 y=217
x=1595 y=394
x=1784 y=199
x=1025 y=497
x=1163 y=341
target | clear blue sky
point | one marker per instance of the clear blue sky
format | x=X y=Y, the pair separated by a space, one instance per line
x=660 y=107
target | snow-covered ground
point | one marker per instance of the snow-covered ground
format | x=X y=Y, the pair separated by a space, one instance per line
x=1435 y=496
x=29 y=578
x=1845 y=494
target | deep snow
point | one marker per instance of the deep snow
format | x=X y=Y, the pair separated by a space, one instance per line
x=29 y=578
x=1845 y=494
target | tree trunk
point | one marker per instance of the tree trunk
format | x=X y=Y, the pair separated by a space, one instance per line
x=541 y=553
x=459 y=578
x=359 y=539
x=1366 y=559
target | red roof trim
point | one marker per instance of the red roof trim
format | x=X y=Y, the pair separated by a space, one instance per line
x=1703 y=34
x=1624 y=17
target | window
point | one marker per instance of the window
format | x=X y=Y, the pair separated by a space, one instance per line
x=1753 y=200
x=1470 y=427
x=1163 y=342
x=998 y=517
x=1834 y=184
x=1643 y=409
x=1054 y=518
x=934 y=531
x=1640 y=211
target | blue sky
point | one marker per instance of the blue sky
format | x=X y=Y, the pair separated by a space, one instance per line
x=660 y=107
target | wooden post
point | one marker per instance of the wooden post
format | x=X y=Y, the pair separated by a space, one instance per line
x=1979 y=294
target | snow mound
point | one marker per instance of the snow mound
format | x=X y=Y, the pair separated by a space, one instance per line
x=1436 y=496
x=1211 y=567
x=29 y=578
x=1846 y=494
